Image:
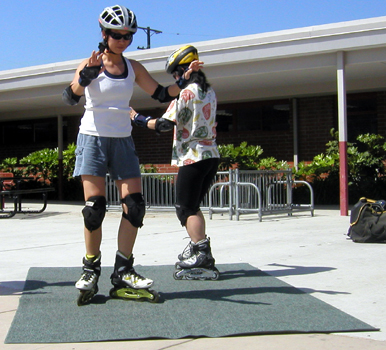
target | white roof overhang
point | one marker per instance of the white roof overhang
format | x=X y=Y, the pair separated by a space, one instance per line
x=282 y=64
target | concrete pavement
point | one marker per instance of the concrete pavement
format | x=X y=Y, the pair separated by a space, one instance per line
x=310 y=253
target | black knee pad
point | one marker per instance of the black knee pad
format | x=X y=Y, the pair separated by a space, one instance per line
x=136 y=205
x=184 y=212
x=94 y=212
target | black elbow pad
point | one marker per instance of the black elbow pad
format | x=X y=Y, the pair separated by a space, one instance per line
x=163 y=125
x=69 y=97
x=161 y=94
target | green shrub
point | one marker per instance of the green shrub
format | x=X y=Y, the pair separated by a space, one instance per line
x=44 y=166
x=366 y=170
x=246 y=157
x=11 y=165
x=148 y=168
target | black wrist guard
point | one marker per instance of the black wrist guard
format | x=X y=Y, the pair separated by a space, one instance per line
x=141 y=120
x=161 y=94
x=163 y=125
x=183 y=83
x=88 y=74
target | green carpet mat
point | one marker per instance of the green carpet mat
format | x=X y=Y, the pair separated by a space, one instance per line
x=243 y=301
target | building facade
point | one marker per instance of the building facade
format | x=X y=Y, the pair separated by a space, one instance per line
x=280 y=90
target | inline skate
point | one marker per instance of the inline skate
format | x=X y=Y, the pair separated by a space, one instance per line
x=187 y=252
x=128 y=284
x=88 y=281
x=196 y=262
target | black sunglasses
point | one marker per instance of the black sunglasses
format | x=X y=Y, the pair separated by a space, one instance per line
x=117 y=36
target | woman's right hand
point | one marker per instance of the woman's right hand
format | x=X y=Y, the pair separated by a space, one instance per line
x=133 y=113
x=95 y=60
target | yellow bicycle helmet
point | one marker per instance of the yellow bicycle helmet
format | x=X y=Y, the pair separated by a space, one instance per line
x=183 y=55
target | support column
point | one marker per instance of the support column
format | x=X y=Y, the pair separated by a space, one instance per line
x=295 y=132
x=342 y=122
x=60 y=157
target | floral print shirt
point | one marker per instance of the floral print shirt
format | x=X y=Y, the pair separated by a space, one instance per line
x=194 y=114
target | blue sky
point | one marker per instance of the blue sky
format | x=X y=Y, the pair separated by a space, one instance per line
x=49 y=31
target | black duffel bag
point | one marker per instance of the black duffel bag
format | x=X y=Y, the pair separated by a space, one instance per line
x=368 y=221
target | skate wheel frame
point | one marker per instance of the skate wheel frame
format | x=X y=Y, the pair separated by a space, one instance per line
x=177 y=276
x=135 y=294
x=86 y=295
x=196 y=274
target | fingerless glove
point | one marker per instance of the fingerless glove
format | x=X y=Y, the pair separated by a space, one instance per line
x=88 y=74
x=141 y=120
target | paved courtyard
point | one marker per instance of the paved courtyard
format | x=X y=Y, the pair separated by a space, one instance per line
x=310 y=253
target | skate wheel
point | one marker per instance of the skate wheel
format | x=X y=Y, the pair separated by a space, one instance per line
x=80 y=300
x=216 y=275
x=177 y=276
x=113 y=293
x=85 y=296
x=155 y=296
x=151 y=296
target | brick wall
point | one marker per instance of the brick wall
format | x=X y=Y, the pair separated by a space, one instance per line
x=152 y=148
x=381 y=113
x=20 y=151
x=72 y=128
x=316 y=117
x=277 y=144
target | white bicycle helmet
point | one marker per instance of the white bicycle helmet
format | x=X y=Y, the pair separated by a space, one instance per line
x=119 y=18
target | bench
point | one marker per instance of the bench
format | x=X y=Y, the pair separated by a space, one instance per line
x=6 y=190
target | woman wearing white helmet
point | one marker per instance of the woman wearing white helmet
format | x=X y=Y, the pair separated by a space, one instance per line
x=104 y=144
x=192 y=115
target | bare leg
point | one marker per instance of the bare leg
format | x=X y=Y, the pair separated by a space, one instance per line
x=93 y=186
x=195 y=226
x=127 y=233
x=196 y=261
x=124 y=276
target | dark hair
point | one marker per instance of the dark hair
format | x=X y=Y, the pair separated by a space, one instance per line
x=198 y=77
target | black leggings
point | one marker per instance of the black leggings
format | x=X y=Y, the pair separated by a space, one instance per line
x=193 y=182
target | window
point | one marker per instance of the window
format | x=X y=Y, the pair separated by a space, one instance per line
x=43 y=131
x=20 y=133
x=265 y=116
x=224 y=118
x=361 y=115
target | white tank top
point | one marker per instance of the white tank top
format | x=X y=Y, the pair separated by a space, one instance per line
x=107 y=108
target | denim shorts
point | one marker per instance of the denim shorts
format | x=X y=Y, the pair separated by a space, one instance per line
x=97 y=156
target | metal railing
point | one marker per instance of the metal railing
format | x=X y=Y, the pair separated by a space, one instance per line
x=159 y=191
x=263 y=192
x=236 y=192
